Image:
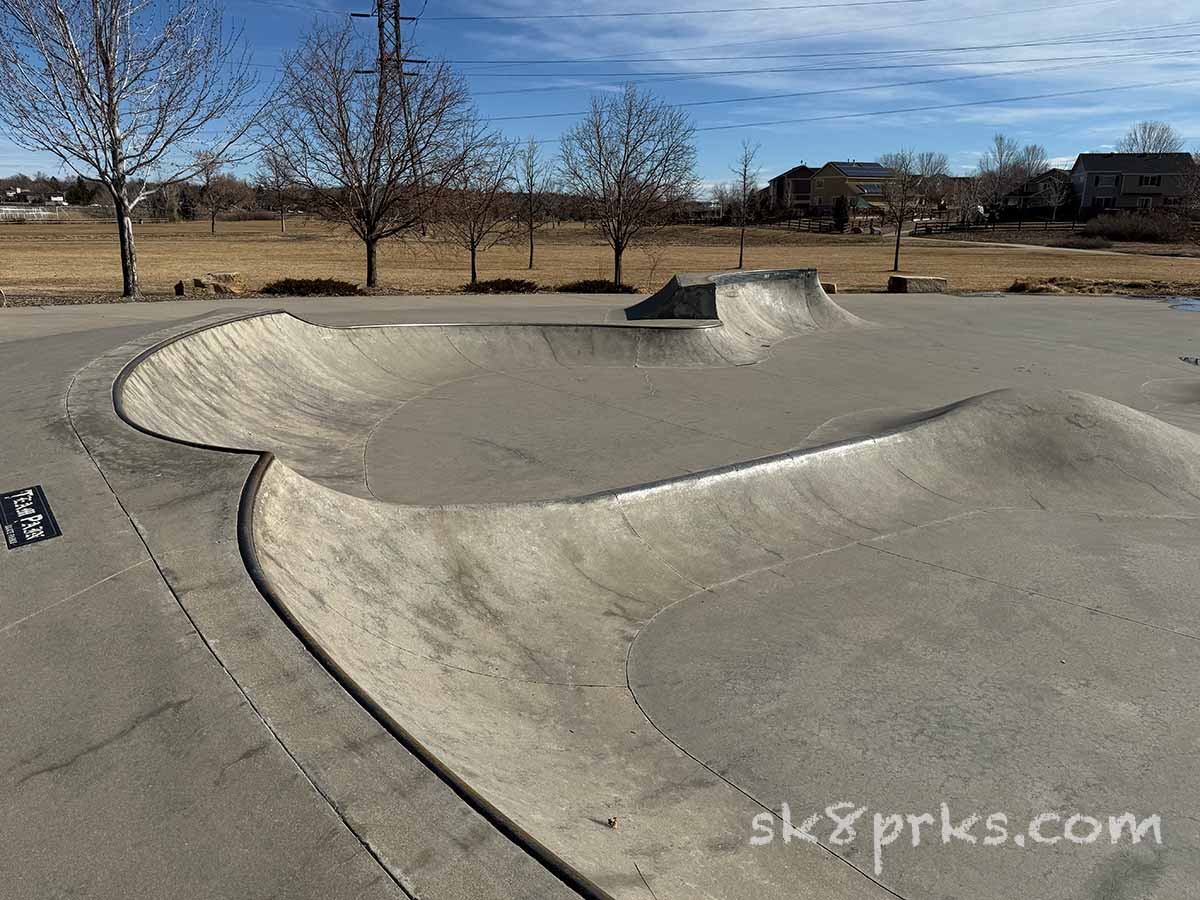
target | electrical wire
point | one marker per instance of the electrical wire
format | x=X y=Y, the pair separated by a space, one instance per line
x=845 y=90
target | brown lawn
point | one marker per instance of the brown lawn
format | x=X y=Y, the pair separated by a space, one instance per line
x=69 y=259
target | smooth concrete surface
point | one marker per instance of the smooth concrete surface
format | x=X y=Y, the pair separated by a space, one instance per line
x=131 y=764
x=665 y=579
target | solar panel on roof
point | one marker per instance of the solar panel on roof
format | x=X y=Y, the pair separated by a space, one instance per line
x=863 y=170
x=871 y=188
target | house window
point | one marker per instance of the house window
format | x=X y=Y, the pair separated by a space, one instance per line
x=1106 y=202
x=1144 y=202
x=1149 y=180
x=1105 y=180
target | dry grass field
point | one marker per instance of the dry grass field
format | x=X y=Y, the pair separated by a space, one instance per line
x=81 y=259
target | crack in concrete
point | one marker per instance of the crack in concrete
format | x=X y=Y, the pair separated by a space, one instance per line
x=134 y=724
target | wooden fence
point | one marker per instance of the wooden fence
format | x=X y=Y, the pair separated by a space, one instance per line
x=939 y=226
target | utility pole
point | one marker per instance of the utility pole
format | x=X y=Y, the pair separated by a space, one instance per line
x=391 y=59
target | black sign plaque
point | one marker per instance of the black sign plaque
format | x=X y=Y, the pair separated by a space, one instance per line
x=26 y=517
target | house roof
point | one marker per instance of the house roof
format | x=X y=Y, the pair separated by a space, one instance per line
x=1036 y=184
x=1141 y=163
x=800 y=171
x=861 y=169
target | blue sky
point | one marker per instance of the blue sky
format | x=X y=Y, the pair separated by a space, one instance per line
x=543 y=67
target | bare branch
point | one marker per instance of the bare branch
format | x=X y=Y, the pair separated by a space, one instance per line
x=1151 y=137
x=478 y=211
x=122 y=91
x=631 y=162
x=375 y=153
x=904 y=190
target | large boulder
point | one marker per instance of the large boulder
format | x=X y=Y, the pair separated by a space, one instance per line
x=916 y=284
x=212 y=284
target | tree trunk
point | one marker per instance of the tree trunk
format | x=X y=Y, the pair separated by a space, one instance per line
x=742 y=246
x=531 y=245
x=212 y=222
x=282 y=219
x=129 y=276
x=372 y=264
x=899 y=229
x=617 y=251
x=474 y=273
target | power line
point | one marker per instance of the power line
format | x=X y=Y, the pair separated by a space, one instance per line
x=672 y=12
x=849 y=4
x=856 y=68
x=848 y=90
x=898 y=26
x=945 y=106
x=937 y=107
x=302 y=8
x=837 y=53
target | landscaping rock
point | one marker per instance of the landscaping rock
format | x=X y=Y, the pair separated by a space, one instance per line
x=212 y=284
x=916 y=284
x=227 y=282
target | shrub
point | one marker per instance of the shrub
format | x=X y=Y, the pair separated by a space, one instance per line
x=1152 y=229
x=1084 y=242
x=311 y=287
x=1034 y=286
x=596 y=286
x=501 y=286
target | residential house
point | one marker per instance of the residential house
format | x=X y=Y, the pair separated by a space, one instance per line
x=1045 y=191
x=861 y=183
x=792 y=190
x=1130 y=180
x=16 y=195
x=702 y=212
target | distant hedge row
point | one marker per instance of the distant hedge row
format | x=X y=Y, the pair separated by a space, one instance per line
x=1151 y=229
x=331 y=287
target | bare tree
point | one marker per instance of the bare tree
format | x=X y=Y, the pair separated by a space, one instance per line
x=999 y=172
x=963 y=196
x=376 y=152
x=722 y=195
x=1032 y=161
x=938 y=190
x=478 y=212
x=1058 y=192
x=1151 y=137
x=631 y=162
x=273 y=179
x=902 y=192
x=534 y=184
x=745 y=186
x=216 y=190
x=118 y=89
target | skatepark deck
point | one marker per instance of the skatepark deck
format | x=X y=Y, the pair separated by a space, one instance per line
x=604 y=593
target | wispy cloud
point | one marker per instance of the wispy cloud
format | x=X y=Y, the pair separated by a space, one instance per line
x=872 y=56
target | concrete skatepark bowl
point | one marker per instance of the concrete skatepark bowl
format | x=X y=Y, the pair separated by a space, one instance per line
x=984 y=603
